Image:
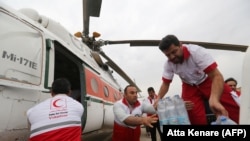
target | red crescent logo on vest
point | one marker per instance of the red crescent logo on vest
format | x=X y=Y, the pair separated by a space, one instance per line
x=55 y=103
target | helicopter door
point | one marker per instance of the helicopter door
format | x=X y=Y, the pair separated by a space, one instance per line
x=66 y=65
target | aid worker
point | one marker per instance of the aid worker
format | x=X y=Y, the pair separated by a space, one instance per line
x=57 y=118
x=152 y=97
x=201 y=80
x=128 y=116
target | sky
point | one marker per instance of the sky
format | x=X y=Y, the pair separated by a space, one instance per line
x=220 y=21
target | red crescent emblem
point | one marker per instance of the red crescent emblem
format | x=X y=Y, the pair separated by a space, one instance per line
x=55 y=103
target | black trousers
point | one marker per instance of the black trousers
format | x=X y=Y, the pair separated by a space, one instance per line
x=156 y=126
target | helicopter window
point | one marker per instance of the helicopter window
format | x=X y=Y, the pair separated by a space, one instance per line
x=94 y=85
x=106 y=91
x=23 y=57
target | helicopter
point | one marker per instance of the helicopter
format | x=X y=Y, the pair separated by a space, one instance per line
x=53 y=52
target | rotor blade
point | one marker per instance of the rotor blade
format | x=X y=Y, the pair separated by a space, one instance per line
x=208 y=45
x=136 y=42
x=220 y=46
x=119 y=70
x=90 y=8
x=94 y=7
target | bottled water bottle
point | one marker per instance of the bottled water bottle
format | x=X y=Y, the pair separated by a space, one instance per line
x=171 y=112
x=161 y=111
x=214 y=123
x=223 y=120
x=181 y=111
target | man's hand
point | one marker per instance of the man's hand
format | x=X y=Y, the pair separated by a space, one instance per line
x=189 y=105
x=217 y=108
x=147 y=121
x=156 y=103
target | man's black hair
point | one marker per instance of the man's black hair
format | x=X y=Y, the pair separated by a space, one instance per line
x=151 y=89
x=125 y=90
x=231 y=79
x=167 y=41
x=61 y=86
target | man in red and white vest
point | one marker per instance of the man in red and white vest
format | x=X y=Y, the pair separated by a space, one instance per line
x=201 y=80
x=128 y=116
x=152 y=97
x=57 y=118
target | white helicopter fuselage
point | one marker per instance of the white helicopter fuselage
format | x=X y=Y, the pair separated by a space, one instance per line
x=35 y=50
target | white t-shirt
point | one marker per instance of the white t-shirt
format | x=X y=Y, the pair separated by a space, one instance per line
x=122 y=111
x=193 y=68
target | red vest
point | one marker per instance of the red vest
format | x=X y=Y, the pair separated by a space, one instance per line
x=121 y=133
x=63 y=134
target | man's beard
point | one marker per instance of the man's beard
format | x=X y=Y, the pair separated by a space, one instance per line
x=177 y=60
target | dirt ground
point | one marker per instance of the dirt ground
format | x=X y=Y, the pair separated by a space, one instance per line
x=107 y=136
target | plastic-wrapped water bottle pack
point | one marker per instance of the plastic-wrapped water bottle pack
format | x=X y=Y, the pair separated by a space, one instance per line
x=172 y=111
